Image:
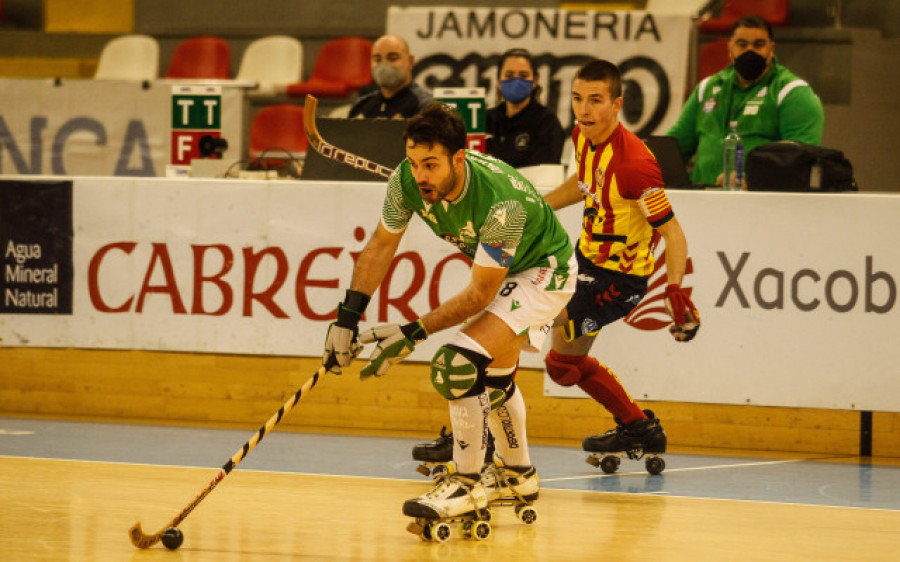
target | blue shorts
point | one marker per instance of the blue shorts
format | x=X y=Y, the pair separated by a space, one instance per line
x=602 y=296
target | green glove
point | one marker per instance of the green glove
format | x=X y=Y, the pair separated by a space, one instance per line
x=394 y=343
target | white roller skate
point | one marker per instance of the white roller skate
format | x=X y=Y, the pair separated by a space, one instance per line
x=517 y=486
x=456 y=498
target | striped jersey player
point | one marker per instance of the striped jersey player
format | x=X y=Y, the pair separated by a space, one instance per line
x=625 y=212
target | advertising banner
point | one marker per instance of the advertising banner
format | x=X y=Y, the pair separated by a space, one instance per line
x=36 y=238
x=461 y=47
x=797 y=292
x=110 y=127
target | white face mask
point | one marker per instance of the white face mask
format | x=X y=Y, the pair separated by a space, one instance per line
x=387 y=75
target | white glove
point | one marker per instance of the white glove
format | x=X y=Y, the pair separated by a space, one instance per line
x=341 y=348
x=341 y=344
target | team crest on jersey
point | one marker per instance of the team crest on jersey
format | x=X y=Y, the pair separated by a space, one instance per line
x=522 y=142
x=467 y=232
x=599 y=176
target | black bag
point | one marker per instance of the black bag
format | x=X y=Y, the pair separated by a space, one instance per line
x=795 y=166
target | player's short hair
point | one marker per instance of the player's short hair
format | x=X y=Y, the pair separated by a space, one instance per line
x=520 y=53
x=599 y=70
x=437 y=123
x=754 y=21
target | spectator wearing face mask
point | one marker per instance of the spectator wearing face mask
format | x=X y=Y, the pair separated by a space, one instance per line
x=768 y=101
x=396 y=96
x=521 y=131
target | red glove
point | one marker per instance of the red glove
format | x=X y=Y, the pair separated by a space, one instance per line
x=685 y=318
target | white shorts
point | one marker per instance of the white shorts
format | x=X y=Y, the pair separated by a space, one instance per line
x=529 y=301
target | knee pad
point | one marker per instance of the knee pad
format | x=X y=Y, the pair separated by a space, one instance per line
x=565 y=370
x=500 y=385
x=457 y=372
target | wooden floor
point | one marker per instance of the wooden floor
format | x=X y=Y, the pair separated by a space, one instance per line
x=77 y=510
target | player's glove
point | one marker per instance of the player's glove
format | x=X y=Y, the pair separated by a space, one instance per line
x=341 y=342
x=685 y=318
x=394 y=341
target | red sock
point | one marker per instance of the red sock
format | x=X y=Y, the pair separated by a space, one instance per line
x=603 y=386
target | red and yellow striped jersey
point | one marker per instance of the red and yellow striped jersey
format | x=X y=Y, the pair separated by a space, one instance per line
x=624 y=201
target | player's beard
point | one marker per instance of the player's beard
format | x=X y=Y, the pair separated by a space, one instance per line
x=439 y=192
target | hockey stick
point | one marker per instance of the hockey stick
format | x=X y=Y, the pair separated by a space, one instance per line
x=140 y=540
x=332 y=152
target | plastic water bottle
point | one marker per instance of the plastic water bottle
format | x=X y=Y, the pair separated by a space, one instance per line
x=733 y=158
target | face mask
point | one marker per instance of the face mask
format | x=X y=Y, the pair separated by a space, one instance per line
x=750 y=65
x=387 y=75
x=516 y=90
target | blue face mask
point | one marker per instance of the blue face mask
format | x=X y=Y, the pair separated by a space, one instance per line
x=516 y=90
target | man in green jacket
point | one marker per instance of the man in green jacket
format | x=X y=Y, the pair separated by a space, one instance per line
x=768 y=101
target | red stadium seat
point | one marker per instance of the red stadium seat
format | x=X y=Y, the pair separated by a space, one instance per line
x=277 y=134
x=713 y=58
x=203 y=57
x=776 y=12
x=342 y=66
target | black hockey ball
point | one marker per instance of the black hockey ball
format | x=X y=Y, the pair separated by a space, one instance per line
x=172 y=538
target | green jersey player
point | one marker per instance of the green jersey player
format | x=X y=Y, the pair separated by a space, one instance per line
x=523 y=274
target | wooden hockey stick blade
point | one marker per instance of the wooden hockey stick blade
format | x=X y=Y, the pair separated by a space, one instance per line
x=136 y=533
x=332 y=152
x=309 y=122
x=139 y=539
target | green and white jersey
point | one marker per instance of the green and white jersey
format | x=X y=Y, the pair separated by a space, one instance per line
x=780 y=106
x=499 y=219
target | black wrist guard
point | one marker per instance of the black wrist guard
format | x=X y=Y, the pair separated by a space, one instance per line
x=351 y=310
x=414 y=331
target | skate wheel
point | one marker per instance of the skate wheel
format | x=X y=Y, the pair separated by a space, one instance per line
x=486 y=514
x=655 y=465
x=526 y=514
x=440 y=532
x=425 y=535
x=480 y=530
x=423 y=470
x=592 y=460
x=610 y=464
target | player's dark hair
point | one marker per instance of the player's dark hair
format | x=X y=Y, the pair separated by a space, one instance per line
x=525 y=54
x=437 y=123
x=599 y=70
x=754 y=21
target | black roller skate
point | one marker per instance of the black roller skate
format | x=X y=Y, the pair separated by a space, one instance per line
x=635 y=440
x=434 y=455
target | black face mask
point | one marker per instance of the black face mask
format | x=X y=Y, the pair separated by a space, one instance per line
x=750 y=65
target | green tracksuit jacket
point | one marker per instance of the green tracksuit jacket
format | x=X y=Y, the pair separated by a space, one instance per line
x=780 y=106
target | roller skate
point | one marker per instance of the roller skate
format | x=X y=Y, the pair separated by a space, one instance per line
x=456 y=498
x=635 y=440
x=434 y=455
x=516 y=486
